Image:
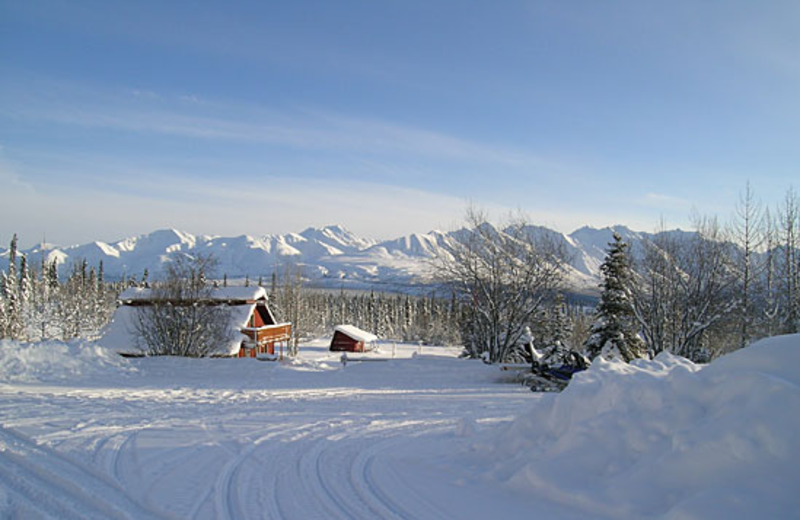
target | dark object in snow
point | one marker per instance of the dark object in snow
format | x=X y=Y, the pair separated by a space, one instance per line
x=546 y=378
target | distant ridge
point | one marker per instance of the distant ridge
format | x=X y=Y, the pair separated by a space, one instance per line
x=330 y=256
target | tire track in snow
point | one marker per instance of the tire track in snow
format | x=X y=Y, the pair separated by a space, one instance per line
x=304 y=482
x=334 y=498
x=210 y=489
x=51 y=482
x=333 y=473
x=227 y=498
x=364 y=481
x=423 y=508
x=117 y=456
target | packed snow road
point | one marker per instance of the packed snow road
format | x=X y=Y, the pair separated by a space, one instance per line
x=233 y=439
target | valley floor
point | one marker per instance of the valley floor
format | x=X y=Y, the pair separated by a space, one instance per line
x=236 y=439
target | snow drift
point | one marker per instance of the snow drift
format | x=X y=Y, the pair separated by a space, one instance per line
x=666 y=438
x=57 y=361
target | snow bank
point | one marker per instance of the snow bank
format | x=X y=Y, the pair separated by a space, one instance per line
x=55 y=361
x=666 y=438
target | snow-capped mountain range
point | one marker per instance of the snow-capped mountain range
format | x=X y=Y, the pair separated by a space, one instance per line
x=330 y=256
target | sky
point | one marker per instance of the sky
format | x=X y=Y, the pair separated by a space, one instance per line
x=391 y=117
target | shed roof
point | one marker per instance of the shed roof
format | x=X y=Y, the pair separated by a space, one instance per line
x=356 y=333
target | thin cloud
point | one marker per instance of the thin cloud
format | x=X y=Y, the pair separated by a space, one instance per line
x=145 y=94
x=186 y=116
x=661 y=201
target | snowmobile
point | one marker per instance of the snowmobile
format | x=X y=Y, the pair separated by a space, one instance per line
x=554 y=378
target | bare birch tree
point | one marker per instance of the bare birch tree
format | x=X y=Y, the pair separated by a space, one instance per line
x=182 y=320
x=503 y=278
x=789 y=221
x=746 y=232
x=686 y=290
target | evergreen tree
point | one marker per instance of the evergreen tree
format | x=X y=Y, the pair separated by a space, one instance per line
x=52 y=275
x=3 y=317
x=42 y=295
x=614 y=333
x=14 y=325
x=559 y=330
x=25 y=296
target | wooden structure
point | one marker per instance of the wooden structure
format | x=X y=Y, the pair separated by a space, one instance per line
x=255 y=331
x=263 y=332
x=347 y=338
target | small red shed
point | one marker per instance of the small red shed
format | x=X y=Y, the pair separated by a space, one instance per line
x=347 y=338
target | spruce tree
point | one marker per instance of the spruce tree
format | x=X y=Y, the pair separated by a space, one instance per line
x=613 y=333
x=559 y=330
x=11 y=294
x=25 y=296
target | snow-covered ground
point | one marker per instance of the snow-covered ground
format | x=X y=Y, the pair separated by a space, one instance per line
x=411 y=433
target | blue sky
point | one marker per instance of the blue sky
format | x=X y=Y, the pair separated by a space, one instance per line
x=117 y=118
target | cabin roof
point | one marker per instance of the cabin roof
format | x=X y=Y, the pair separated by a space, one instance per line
x=120 y=335
x=229 y=294
x=356 y=333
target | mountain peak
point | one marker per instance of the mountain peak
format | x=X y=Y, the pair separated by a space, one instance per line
x=336 y=236
x=170 y=234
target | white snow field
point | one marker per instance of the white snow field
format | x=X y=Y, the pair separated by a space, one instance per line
x=402 y=433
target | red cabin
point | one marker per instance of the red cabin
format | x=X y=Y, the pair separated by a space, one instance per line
x=263 y=331
x=347 y=338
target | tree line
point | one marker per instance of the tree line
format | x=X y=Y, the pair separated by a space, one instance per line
x=35 y=305
x=726 y=286
x=697 y=295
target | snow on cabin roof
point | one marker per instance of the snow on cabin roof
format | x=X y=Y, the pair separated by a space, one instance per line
x=217 y=293
x=356 y=333
x=120 y=335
